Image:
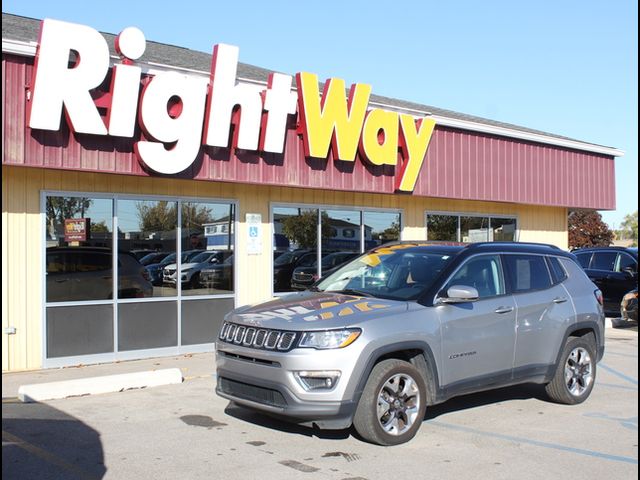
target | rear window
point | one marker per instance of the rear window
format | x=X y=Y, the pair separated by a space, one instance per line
x=527 y=272
x=558 y=275
x=604 y=261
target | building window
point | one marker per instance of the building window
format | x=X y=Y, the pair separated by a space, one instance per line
x=343 y=234
x=470 y=228
x=171 y=250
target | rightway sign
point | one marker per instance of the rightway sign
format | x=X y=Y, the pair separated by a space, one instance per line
x=206 y=110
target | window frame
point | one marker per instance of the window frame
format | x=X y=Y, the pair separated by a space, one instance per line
x=505 y=282
x=511 y=283
x=178 y=298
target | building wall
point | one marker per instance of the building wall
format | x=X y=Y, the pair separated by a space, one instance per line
x=22 y=236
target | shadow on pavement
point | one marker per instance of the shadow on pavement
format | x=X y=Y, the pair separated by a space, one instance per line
x=41 y=442
x=274 y=423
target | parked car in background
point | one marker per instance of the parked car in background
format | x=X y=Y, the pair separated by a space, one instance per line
x=629 y=307
x=614 y=270
x=285 y=264
x=86 y=273
x=191 y=267
x=141 y=252
x=153 y=257
x=155 y=270
x=218 y=276
x=305 y=276
x=411 y=325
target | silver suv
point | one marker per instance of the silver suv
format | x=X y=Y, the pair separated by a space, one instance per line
x=410 y=325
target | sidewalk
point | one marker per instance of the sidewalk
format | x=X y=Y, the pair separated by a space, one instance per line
x=191 y=365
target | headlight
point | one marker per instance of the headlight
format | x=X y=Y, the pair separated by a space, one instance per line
x=329 y=338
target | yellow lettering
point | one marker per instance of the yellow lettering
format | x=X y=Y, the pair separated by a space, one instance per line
x=332 y=121
x=414 y=139
x=380 y=125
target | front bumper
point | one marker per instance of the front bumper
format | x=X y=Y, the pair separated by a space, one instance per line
x=265 y=381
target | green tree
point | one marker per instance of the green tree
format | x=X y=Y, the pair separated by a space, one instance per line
x=100 y=227
x=586 y=229
x=302 y=229
x=157 y=217
x=629 y=228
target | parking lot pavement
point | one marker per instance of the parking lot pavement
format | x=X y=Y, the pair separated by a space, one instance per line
x=185 y=431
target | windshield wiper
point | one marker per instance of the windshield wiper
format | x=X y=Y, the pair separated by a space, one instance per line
x=351 y=291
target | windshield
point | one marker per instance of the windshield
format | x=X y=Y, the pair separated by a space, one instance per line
x=171 y=258
x=393 y=273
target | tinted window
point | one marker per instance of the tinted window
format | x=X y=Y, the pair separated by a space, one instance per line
x=584 y=259
x=557 y=272
x=527 y=272
x=625 y=262
x=483 y=273
x=604 y=261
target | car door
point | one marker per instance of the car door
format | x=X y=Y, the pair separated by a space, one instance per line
x=601 y=272
x=545 y=311
x=478 y=337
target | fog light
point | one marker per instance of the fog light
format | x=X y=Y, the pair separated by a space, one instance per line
x=317 y=379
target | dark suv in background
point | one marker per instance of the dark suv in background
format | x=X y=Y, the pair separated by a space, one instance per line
x=614 y=270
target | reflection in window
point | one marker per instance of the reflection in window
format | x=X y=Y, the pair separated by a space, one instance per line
x=504 y=229
x=474 y=229
x=295 y=236
x=380 y=228
x=147 y=227
x=207 y=242
x=527 y=272
x=79 y=242
x=442 y=228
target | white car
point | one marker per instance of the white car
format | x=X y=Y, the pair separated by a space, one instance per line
x=190 y=272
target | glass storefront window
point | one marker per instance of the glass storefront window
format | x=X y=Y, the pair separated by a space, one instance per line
x=503 y=229
x=295 y=241
x=79 y=269
x=79 y=240
x=380 y=228
x=207 y=265
x=442 y=228
x=146 y=230
x=474 y=229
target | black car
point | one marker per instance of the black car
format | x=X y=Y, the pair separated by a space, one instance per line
x=614 y=270
x=305 y=276
x=286 y=263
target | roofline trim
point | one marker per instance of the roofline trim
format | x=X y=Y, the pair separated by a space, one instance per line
x=17 y=47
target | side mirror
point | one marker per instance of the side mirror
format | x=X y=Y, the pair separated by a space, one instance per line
x=631 y=272
x=460 y=294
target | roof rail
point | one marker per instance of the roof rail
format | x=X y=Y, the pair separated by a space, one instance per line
x=532 y=244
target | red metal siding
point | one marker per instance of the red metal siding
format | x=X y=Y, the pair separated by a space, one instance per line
x=459 y=164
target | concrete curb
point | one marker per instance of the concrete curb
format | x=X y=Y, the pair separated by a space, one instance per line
x=95 y=385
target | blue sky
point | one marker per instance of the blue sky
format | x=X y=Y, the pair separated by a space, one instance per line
x=566 y=67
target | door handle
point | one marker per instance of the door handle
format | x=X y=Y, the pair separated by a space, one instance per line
x=560 y=299
x=504 y=310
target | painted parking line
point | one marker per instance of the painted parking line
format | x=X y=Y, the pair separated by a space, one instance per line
x=618 y=374
x=9 y=439
x=537 y=443
x=613 y=385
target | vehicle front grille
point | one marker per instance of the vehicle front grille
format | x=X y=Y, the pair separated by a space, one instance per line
x=303 y=277
x=251 y=392
x=262 y=338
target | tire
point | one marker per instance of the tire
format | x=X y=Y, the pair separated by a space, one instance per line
x=403 y=417
x=575 y=374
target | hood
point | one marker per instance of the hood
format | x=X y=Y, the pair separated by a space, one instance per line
x=314 y=311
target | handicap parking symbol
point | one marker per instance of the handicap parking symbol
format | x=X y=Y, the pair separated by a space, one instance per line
x=253 y=232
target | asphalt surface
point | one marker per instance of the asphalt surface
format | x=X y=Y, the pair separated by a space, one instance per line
x=186 y=432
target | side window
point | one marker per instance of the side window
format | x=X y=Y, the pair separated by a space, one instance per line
x=604 y=261
x=625 y=262
x=584 y=259
x=558 y=275
x=484 y=273
x=527 y=272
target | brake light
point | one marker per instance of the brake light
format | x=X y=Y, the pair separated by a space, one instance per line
x=599 y=297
